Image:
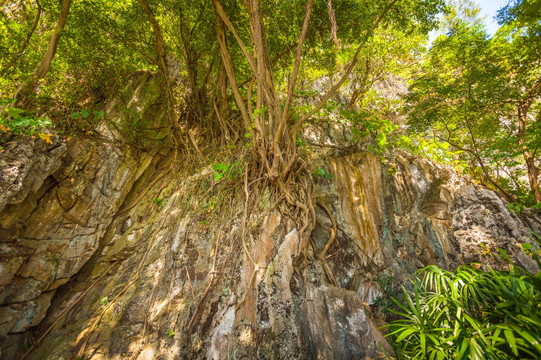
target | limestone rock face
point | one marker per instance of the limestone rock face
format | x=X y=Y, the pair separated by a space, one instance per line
x=24 y=166
x=56 y=202
x=109 y=253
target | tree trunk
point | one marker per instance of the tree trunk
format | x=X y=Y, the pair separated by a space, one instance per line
x=162 y=62
x=160 y=47
x=26 y=89
x=533 y=170
x=25 y=42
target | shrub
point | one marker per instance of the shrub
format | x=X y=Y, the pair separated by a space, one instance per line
x=471 y=313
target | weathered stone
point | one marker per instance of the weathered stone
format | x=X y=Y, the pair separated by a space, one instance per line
x=20 y=316
x=25 y=165
x=147 y=281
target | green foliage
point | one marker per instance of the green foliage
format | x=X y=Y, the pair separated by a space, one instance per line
x=367 y=123
x=323 y=173
x=104 y=301
x=515 y=207
x=171 y=333
x=471 y=313
x=229 y=171
x=391 y=170
x=160 y=203
x=19 y=121
x=385 y=300
x=470 y=94
x=84 y=113
x=52 y=259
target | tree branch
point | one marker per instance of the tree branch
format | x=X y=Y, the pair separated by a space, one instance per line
x=293 y=78
x=349 y=69
x=25 y=42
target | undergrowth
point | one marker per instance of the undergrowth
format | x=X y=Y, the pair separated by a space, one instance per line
x=471 y=313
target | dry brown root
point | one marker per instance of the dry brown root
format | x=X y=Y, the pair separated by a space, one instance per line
x=329 y=273
x=213 y=281
x=332 y=231
x=67 y=310
x=94 y=326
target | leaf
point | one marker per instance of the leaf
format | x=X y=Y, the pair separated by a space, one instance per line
x=46 y=137
x=6 y=101
x=98 y=114
x=405 y=333
x=21 y=122
x=218 y=176
x=511 y=340
x=4 y=128
x=84 y=113
x=74 y=115
x=14 y=112
x=220 y=167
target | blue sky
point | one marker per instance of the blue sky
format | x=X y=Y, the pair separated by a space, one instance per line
x=489 y=9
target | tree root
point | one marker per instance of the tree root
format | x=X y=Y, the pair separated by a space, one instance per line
x=332 y=231
x=94 y=326
x=67 y=310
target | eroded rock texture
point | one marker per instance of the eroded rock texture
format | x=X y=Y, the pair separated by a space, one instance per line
x=105 y=250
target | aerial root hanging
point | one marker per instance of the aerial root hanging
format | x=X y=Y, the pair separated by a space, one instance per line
x=67 y=310
x=332 y=231
x=94 y=326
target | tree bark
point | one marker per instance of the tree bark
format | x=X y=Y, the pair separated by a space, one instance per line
x=26 y=89
x=25 y=42
x=533 y=170
x=162 y=62
x=160 y=47
x=228 y=65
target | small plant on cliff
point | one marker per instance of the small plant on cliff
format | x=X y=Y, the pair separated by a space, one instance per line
x=52 y=259
x=18 y=121
x=385 y=300
x=323 y=173
x=515 y=207
x=229 y=171
x=160 y=203
x=471 y=313
x=86 y=120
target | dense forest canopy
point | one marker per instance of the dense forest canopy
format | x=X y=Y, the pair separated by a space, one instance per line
x=258 y=71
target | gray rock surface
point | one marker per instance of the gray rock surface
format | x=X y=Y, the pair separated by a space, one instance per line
x=113 y=254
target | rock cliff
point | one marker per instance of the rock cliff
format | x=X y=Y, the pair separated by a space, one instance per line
x=109 y=251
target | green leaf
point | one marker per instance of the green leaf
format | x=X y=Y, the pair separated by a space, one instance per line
x=21 y=122
x=74 y=115
x=220 y=167
x=218 y=176
x=511 y=340
x=98 y=114
x=14 y=112
x=84 y=113
x=405 y=334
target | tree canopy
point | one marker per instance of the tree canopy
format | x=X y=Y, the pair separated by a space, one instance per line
x=257 y=71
